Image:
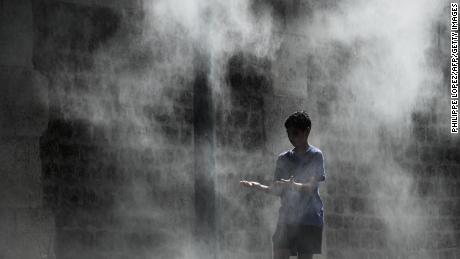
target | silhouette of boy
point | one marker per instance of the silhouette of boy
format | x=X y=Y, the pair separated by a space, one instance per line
x=296 y=179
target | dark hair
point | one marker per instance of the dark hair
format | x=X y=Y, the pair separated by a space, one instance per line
x=300 y=120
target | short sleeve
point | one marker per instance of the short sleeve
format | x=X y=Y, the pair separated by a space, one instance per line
x=319 y=167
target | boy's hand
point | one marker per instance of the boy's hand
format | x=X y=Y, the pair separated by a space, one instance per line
x=249 y=184
x=290 y=183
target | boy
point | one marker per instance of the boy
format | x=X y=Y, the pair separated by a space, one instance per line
x=298 y=171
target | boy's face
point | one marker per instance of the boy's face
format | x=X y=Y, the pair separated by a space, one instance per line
x=298 y=137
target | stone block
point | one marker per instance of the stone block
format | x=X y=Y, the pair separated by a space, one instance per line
x=360 y=205
x=447 y=254
x=29 y=234
x=23 y=103
x=334 y=221
x=16 y=33
x=335 y=254
x=20 y=170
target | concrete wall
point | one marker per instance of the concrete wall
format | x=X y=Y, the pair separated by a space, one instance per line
x=27 y=227
x=113 y=196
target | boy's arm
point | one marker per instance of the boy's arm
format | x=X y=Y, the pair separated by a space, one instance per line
x=275 y=188
x=319 y=176
x=306 y=187
x=278 y=184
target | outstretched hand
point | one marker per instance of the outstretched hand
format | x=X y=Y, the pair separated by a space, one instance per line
x=284 y=182
x=292 y=184
x=249 y=183
x=290 y=180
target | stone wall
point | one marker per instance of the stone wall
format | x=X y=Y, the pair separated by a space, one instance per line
x=118 y=149
x=27 y=227
x=116 y=161
x=391 y=191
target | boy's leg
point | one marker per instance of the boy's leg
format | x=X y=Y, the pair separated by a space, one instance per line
x=280 y=243
x=281 y=254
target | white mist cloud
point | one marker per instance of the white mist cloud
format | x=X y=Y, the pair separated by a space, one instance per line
x=386 y=74
x=386 y=42
x=216 y=28
x=389 y=40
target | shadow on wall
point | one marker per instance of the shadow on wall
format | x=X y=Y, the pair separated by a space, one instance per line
x=244 y=217
x=80 y=177
x=249 y=80
x=67 y=34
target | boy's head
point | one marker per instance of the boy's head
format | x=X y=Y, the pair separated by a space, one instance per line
x=298 y=126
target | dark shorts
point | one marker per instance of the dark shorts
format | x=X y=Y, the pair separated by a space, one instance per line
x=299 y=239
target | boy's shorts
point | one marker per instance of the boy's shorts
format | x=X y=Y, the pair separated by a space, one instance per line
x=299 y=239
